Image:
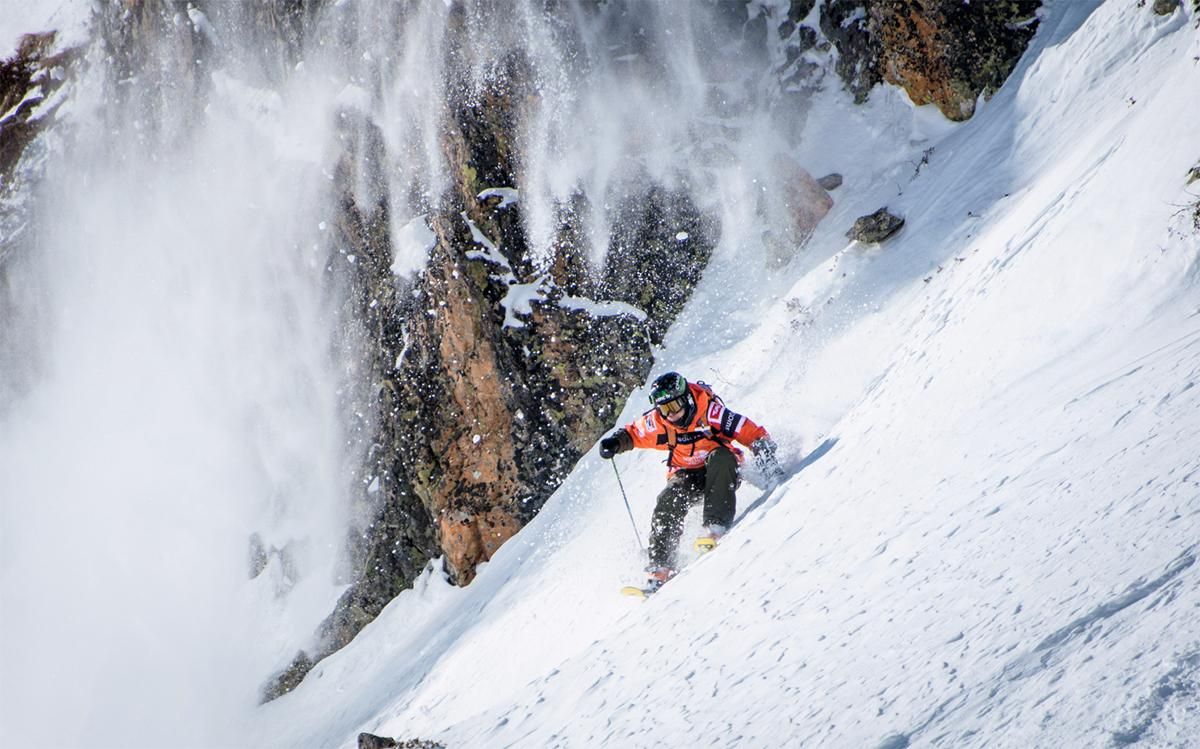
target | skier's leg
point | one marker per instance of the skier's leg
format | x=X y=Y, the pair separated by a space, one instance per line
x=669 y=513
x=720 y=488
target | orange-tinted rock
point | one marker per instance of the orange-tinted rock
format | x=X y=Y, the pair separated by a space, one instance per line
x=948 y=53
x=470 y=539
x=941 y=52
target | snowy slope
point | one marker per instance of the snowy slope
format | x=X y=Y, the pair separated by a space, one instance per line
x=999 y=547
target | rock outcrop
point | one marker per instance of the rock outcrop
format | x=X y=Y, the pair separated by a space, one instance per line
x=1166 y=7
x=875 y=227
x=371 y=741
x=949 y=53
x=942 y=52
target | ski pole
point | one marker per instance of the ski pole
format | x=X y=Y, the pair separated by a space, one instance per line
x=627 y=507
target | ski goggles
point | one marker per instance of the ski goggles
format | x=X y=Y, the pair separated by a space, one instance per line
x=672 y=408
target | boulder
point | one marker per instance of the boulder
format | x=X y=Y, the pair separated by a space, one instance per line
x=1166 y=7
x=806 y=200
x=830 y=181
x=371 y=741
x=875 y=227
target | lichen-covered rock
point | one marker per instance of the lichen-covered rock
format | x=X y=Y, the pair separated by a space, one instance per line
x=289 y=678
x=948 y=53
x=942 y=52
x=875 y=227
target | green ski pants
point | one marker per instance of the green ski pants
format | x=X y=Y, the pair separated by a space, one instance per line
x=716 y=483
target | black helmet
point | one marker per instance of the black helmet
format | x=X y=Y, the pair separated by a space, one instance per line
x=671 y=396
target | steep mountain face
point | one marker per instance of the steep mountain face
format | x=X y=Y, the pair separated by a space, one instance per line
x=505 y=248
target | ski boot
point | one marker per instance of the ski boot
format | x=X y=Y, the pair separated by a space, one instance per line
x=658 y=576
x=708 y=540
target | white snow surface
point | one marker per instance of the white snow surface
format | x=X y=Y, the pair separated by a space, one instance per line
x=413 y=243
x=988 y=534
x=601 y=309
x=992 y=541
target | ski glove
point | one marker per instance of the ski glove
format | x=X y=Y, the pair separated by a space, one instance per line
x=617 y=442
x=764 y=446
x=764 y=458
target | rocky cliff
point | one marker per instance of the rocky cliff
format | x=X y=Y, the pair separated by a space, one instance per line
x=493 y=371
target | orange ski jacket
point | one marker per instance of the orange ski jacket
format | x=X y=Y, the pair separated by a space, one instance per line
x=712 y=426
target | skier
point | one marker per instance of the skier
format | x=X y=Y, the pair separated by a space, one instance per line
x=691 y=422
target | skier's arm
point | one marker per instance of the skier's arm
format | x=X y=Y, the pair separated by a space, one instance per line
x=617 y=442
x=643 y=432
x=763 y=447
x=734 y=426
x=737 y=427
x=749 y=433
